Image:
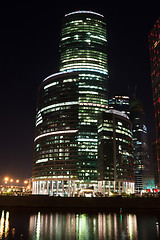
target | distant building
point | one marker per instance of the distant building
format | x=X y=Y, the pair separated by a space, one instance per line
x=69 y=102
x=120 y=103
x=154 y=47
x=140 y=145
x=115 y=160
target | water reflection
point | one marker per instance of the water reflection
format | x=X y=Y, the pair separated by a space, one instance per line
x=83 y=226
x=102 y=226
x=4 y=225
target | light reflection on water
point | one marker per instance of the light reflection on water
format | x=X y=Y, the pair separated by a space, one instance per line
x=85 y=226
x=4 y=224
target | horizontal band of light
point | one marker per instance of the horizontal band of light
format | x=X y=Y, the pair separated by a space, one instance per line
x=91 y=36
x=88 y=12
x=55 y=133
x=53 y=75
x=51 y=84
x=80 y=65
x=87 y=140
x=117 y=131
x=57 y=74
x=84 y=59
x=86 y=69
x=76 y=70
x=118 y=113
x=90 y=86
x=49 y=178
x=105 y=129
x=87 y=150
x=65 y=38
x=94 y=105
x=100 y=38
x=42 y=160
x=124 y=132
x=88 y=92
x=58 y=105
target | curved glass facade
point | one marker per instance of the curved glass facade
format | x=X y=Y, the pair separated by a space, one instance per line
x=115 y=160
x=69 y=102
x=56 y=128
x=83 y=42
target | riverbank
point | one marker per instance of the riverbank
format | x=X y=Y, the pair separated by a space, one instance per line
x=64 y=203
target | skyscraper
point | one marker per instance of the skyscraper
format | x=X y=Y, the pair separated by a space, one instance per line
x=69 y=102
x=120 y=103
x=140 y=145
x=115 y=160
x=154 y=47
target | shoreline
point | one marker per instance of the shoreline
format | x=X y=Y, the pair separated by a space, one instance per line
x=81 y=204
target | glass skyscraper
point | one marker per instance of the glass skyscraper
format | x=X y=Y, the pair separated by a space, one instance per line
x=69 y=102
x=115 y=157
x=154 y=47
x=120 y=103
x=140 y=145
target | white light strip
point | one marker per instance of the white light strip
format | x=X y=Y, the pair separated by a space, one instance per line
x=57 y=105
x=87 y=140
x=76 y=12
x=50 y=85
x=94 y=105
x=55 y=133
x=54 y=74
x=75 y=70
x=95 y=66
x=88 y=92
x=42 y=160
x=118 y=113
x=57 y=74
x=86 y=69
x=85 y=59
x=100 y=38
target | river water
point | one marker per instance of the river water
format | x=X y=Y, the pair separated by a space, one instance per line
x=44 y=225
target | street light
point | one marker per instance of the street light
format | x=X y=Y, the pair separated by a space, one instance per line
x=6 y=179
x=11 y=181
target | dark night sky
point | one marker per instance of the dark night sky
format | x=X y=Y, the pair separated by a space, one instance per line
x=29 y=38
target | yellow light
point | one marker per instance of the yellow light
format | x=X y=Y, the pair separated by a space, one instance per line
x=6 y=179
x=11 y=180
x=25 y=182
x=17 y=181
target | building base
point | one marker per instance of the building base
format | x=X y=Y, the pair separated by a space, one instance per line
x=76 y=188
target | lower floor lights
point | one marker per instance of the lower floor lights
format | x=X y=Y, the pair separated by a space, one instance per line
x=76 y=188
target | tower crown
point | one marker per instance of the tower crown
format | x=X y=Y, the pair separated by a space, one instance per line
x=83 y=44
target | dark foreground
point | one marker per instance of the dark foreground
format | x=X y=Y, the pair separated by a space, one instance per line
x=81 y=203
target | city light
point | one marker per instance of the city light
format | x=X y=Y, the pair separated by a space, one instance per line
x=6 y=179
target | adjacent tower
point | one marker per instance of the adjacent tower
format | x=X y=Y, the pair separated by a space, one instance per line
x=69 y=102
x=154 y=47
x=140 y=145
x=115 y=160
x=120 y=103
